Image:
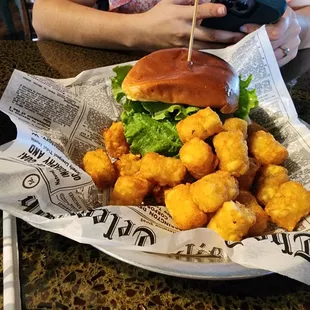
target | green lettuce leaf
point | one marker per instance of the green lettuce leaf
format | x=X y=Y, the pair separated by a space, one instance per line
x=117 y=80
x=133 y=107
x=145 y=134
x=157 y=110
x=247 y=99
x=160 y=110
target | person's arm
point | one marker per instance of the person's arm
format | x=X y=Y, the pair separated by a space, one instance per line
x=76 y=22
x=302 y=10
x=166 y=25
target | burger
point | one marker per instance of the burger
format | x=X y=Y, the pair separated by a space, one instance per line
x=163 y=88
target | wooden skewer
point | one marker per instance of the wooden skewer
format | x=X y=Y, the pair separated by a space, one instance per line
x=191 y=39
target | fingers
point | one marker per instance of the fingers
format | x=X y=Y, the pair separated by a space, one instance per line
x=220 y=36
x=293 y=50
x=275 y=31
x=209 y=10
x=206 y=10
x=291 y=33
x=278 y=30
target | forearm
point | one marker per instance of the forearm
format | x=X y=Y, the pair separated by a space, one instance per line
x=303 y=16
x=73 y=23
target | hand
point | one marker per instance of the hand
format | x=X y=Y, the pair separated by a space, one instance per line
x=283 y=34
x=168 y=24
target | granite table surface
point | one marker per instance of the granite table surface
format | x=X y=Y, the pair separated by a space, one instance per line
x=58 y=273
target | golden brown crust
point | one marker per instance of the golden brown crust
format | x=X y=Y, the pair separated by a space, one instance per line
x=166 y=76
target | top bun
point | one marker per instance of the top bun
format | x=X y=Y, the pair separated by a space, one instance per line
x=166 y=76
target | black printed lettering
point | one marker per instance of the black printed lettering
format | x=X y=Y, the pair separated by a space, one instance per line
x=218 y=252
x=283 y=239
x=304 y=239
x=126 y=230
x=232 y=244
x=85 y=214
x=202 y=251
x=261 y=238
x=112 y=227
x=101 y=218
x=26 y=157
x=35 y=151
x=144 y=234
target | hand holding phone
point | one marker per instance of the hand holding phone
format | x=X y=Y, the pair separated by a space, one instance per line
x=240 y=12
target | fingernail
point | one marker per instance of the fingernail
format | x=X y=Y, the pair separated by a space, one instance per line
x=243 y=29
x=221 y=10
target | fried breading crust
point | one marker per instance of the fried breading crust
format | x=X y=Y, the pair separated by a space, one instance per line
x=99 y=166
x=184 y=212
x=127 y=164
x=129 y=191
x=232 y=151
x=289 y=205
x=203 y=124
x=198 y=158
x=270 y=178
x=210 y=192
x=261 y=223
x=266 y=149
x=235 y=124
x=162 y=170
x=115 y=141
x=232 y=221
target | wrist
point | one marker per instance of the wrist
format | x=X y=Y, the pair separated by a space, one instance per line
x=134 y=33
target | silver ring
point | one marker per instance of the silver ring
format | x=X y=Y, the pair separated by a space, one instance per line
x=285 y=51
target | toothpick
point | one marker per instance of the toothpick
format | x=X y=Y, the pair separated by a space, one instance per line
x=191 y=39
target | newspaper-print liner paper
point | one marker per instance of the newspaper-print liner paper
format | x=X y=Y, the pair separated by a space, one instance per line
x=59 y=120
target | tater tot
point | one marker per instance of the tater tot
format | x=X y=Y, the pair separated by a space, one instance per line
x=198 y=158
x=246 y=180
x=162 y=170
x=270 y=178
x=115 y=141
x=184 y=212
x=129 y=191
x=235 y=124
x=289 y=205
x=266 y=149
x=127 y=164
x=210 y=192
x=261 y=223
x=232 y=151
x=99 y=166
x=151 y=184
x=203 y=124
x=232 y=221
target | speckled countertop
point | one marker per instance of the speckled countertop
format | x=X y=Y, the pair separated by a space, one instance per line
x=58 y=273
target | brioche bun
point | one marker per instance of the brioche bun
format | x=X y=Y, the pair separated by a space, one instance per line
x=166 y=76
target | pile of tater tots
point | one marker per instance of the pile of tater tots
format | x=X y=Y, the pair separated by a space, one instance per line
x=229 y=177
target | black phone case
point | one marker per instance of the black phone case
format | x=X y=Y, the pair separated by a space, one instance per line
x=262 y=12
